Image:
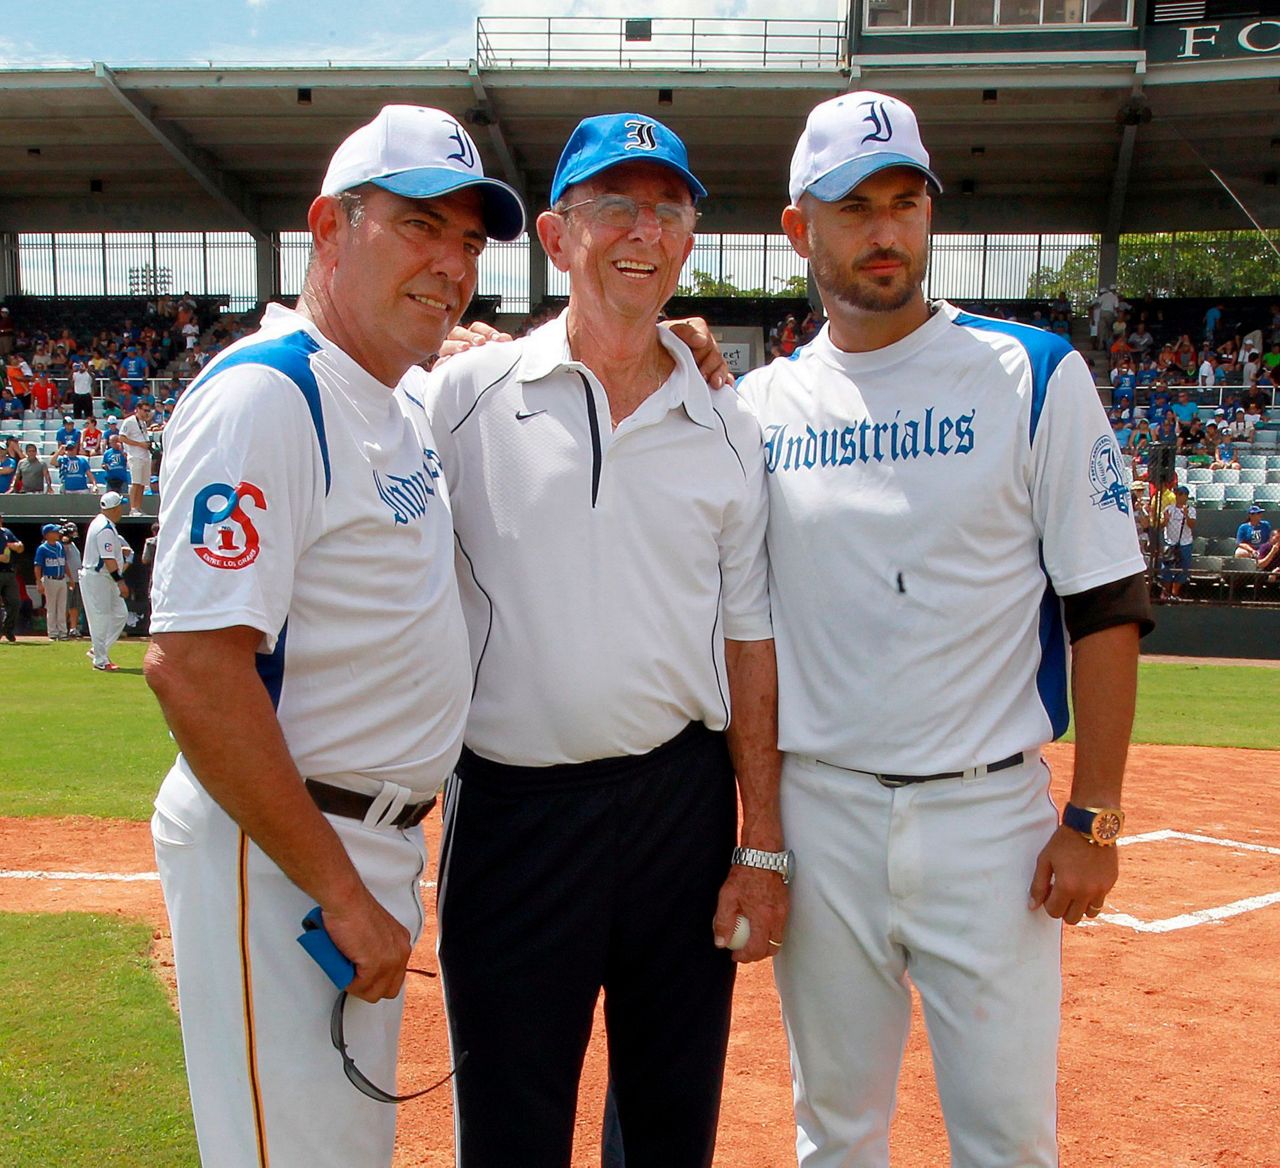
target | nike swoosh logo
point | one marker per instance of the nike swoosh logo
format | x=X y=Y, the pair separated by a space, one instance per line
x=522 y=414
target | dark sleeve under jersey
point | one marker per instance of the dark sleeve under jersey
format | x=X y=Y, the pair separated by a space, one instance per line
x=1122 y=602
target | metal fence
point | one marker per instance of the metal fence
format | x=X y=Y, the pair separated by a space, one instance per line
x=206 y=263
x=1002 y=267
x=294 y=253
x=1199 y=263
x=962 y=267
x=584 y=42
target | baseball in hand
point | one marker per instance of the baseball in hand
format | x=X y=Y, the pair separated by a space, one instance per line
x=741 y=933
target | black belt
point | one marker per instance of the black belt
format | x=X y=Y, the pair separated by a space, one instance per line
x=908 y=780
x=353 y=805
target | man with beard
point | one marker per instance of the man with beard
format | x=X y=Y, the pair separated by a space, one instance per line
x=946 y=507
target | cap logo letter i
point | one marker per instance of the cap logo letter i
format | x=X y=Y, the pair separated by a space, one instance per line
x=466 y=153
x=640 y=135
x=878 y=116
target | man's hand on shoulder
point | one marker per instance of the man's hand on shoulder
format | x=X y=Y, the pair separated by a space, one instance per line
x=696 y=333
x=470 y=336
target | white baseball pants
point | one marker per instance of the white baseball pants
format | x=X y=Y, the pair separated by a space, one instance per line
x=929 y=883
x=55 y=607
x=105 y=610
x=267 y=1085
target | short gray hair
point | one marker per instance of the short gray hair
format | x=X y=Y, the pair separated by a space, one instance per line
x=352 y=204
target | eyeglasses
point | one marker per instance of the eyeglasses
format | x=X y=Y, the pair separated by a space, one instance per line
x=621 y=211
x=356 y=1076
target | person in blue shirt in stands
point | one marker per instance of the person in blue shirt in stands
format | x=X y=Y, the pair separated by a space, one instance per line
x=74 y=472
x=1184 y=408
x=1159 y=401
x=1124 y=382
x=68 y=435
x=115 y=466
x=133 y=369
x=1168 y=428
x=1147 y=372
x=1253 y=535
x=9 y=459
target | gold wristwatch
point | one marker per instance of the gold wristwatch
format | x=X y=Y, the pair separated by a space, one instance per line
x=1099 y=825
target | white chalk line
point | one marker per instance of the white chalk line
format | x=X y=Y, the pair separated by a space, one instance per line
x=1204 y=916
x=1166 y=834
x=100 y=877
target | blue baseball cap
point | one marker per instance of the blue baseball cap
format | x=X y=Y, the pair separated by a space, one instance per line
x=422 y=153
x=1255 y=510
x=610 y=139
x=48 y=527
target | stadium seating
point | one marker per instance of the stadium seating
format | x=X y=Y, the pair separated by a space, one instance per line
x=1252 y=476
x=1268 y=492
x=1252 y=462
x=1226 y=475
x=1240 y=494
x=1210 y=496
x=1199 y=474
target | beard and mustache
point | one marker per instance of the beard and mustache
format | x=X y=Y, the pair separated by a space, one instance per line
x=844 y=280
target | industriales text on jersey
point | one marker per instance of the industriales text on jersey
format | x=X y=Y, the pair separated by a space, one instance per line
x=867 y=441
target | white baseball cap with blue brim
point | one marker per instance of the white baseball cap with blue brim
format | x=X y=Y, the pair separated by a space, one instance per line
x=851 y=137
x=422 y=153
x=611 y=139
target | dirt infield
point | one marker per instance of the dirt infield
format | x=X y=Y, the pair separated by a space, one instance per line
x=1170 y=1014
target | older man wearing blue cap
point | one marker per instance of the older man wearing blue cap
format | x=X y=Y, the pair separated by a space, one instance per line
x=609 y=510
x=317 y=714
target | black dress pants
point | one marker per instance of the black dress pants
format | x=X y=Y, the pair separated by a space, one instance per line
x=557 y=883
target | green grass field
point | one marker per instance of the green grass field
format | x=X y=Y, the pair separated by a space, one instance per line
x=100 y=1084
x=80 y=742
x=111 y=747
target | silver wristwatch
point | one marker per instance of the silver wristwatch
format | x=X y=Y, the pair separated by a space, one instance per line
x=784 y=863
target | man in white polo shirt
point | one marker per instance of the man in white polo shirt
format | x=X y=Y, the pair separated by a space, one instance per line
x=609 y=512
x=947 y=507
x=134 y=433
x=316 y=718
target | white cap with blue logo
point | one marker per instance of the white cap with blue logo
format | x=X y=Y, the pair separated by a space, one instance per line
x=850 y=138
x=611 y=139
x=422 y=153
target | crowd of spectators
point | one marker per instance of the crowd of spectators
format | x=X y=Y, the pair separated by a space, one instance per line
x=126 y=376
x=1160 y=382
x=788 y=334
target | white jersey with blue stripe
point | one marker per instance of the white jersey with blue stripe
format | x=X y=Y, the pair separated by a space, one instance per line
x=929 y=503
x=299 y=499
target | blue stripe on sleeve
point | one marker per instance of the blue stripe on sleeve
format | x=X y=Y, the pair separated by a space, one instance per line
x=290 y=355
x=1045 y=351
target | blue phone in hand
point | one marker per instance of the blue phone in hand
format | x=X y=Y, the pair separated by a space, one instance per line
x=319 y=945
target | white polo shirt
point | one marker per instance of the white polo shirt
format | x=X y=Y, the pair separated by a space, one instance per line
x=600 y=569
x=929 y=503
x=299 y=499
